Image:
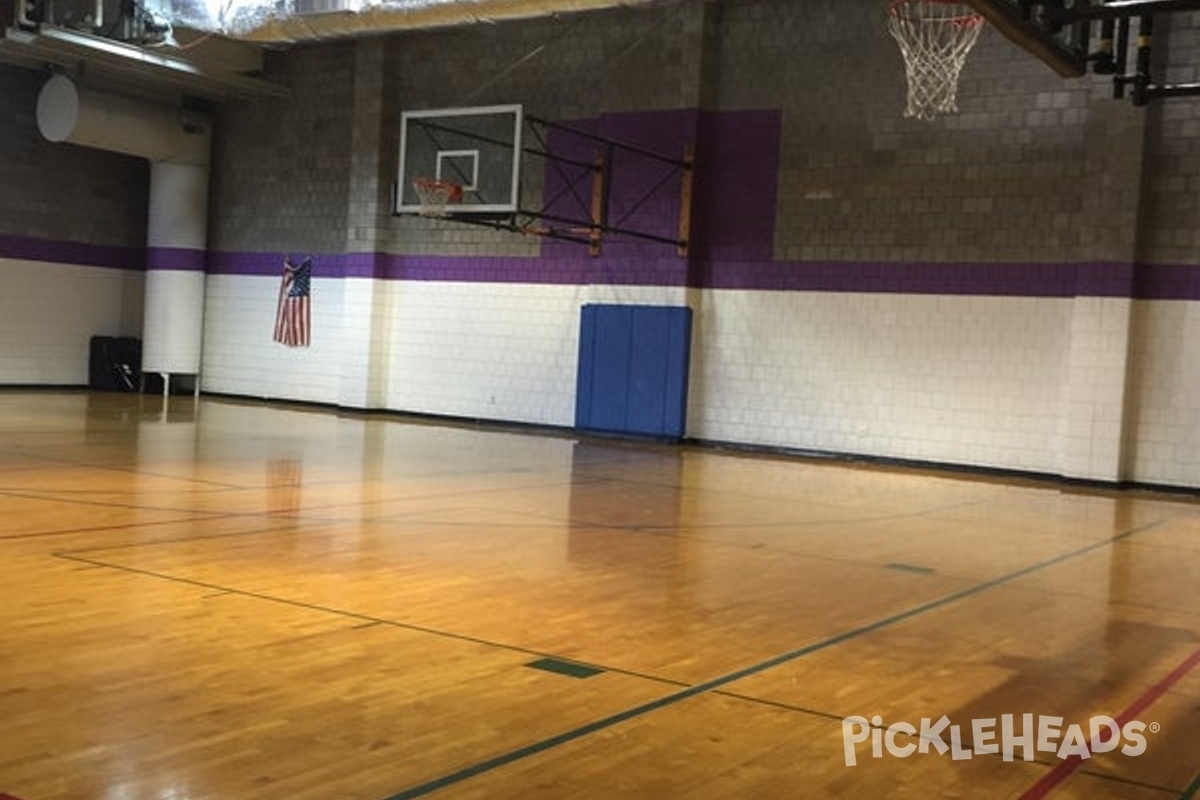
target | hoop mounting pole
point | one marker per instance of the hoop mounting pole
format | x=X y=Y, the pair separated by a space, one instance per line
x=685 y=198
x=599 y=195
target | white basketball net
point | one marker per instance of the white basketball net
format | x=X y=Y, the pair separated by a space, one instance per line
x=935 y=37
x=435 y=196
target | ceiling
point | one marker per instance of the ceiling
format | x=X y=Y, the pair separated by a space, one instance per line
x=225 y=62
x=398 y=15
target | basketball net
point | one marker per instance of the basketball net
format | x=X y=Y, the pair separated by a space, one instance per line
x=935 y=37
x=436 y=196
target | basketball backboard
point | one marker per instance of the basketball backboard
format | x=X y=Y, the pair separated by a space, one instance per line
x=476 y=148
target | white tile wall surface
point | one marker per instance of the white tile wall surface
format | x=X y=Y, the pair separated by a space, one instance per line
x=970 y=380
x=1094 y=386
x=49 y=311
x=240 y=357
x=1163 y=425
x=490 y=351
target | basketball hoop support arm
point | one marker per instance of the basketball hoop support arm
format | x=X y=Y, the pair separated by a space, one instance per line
x=681 y=163
x=1118 y=9
x=511 y=224
x=591 y=222
x=599 y=223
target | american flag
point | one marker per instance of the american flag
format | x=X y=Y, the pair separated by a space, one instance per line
x=293 y=314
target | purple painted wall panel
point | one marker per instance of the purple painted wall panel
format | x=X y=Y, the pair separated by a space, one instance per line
x=644 y=192
x=737 y=169
x=734 y=197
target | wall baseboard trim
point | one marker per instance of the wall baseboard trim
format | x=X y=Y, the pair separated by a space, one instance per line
x=949 y=469
x=945 y=469
x=45 y=387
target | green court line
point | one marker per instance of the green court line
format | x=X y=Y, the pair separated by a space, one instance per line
x=364 y=620
x=567 y=668
x=512 y=756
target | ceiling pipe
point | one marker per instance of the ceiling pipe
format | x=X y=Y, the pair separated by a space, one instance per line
x=67 y=112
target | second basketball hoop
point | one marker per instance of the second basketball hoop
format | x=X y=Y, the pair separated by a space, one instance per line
x=935 y=37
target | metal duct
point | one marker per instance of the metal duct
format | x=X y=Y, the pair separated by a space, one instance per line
x=69 y=113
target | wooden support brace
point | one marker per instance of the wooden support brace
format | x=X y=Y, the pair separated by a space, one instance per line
x=598 y=194
x=685 y=199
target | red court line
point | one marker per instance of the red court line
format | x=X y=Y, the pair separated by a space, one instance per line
x=1068 y=766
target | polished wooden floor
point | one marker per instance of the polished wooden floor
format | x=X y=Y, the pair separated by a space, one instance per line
x=233 y=601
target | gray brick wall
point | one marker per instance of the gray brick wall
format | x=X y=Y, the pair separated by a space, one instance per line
x=368 y=192
x=618 y=60
x=572 y=67
x=61 y=191
x=282 y=168
x=1005 y=180
x=1035 y=168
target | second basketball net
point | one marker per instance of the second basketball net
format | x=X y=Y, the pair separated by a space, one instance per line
x=935 y=37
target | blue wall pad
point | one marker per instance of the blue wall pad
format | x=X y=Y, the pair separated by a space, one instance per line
x=633 y=369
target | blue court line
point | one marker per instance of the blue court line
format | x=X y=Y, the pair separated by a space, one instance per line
x=504 y=759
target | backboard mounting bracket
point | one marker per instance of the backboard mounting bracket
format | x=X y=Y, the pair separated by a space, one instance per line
x=483 y=151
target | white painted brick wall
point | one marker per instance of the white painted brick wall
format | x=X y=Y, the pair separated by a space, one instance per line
x=365 y=359
x=241 y=358
x=971 y=380
x=639 y=295
x=49 y=311
x=472 y=350
x=1094 y=386
x=1164 y=404
x=491 y=351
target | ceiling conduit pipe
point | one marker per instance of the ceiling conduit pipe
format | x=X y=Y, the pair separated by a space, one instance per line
x=177 y=143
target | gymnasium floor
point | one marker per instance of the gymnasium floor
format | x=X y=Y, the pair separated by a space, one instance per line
x=240 y=601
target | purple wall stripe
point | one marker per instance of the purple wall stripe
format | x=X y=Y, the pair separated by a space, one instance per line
x=271 y=263
x=581 y=270
x=91 y=255
x=1091 y=279
x=1167 y=282
x=182 y=259
x=1014 y=279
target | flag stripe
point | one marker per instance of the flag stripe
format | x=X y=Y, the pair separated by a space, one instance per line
x=293 y=309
